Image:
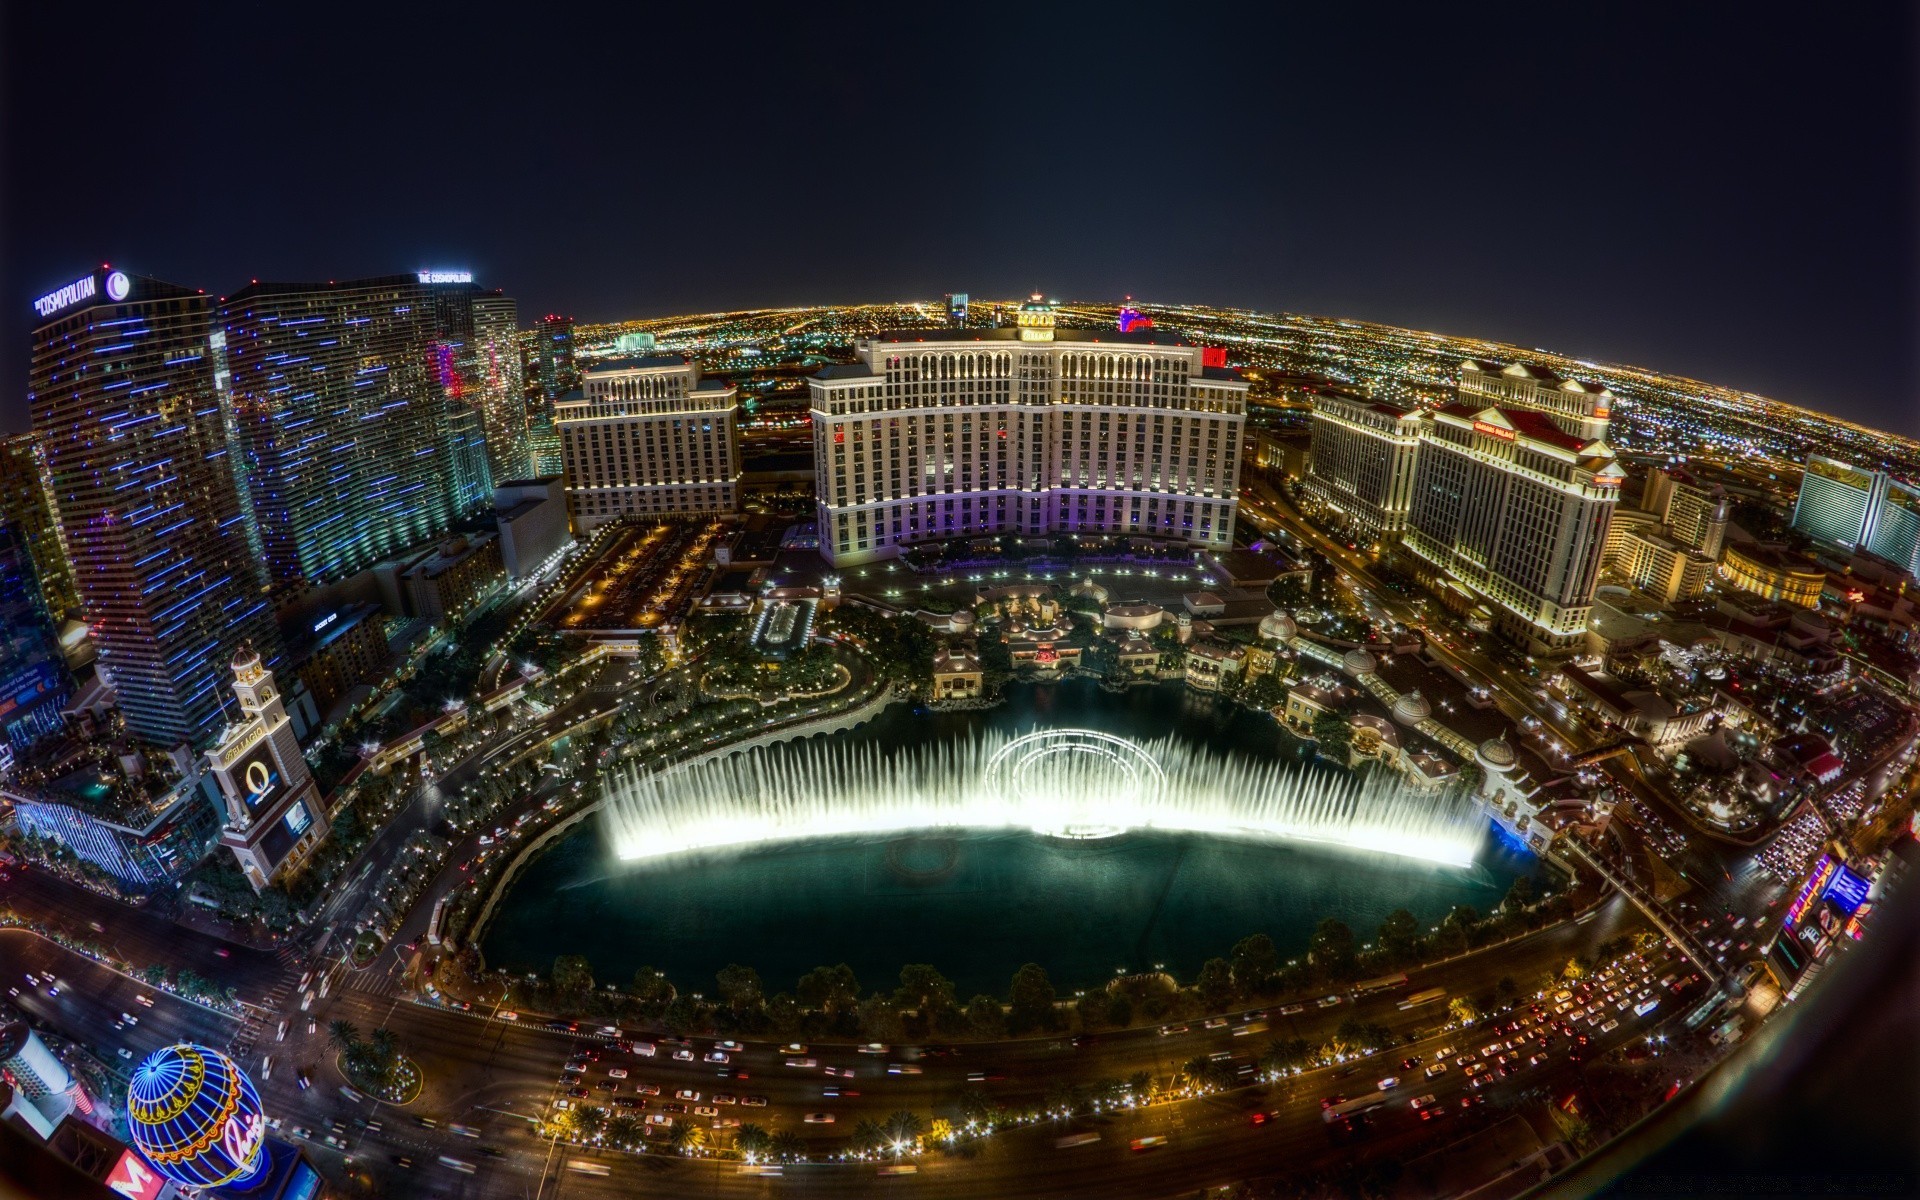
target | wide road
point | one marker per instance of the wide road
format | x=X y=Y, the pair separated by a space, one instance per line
x=496 y=1077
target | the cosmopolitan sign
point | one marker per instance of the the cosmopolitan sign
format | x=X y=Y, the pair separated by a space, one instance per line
x=445 y=276
x=84 y=288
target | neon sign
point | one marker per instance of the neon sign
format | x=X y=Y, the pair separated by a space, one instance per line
x=80 y=289
x=133 y=1178
x=325 y=621
x=446 y=276
x=118 y=285
x=1495 y=431
x=1822 y=872
x=1847 y=891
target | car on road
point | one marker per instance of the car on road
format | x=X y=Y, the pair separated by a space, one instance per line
x=753 y=1101
x=1389 y=1083
x=1169 y=1030
x=726 y=1098
x=616 y=1073
x=123 y=1052
x=729 y=1045
x=718 y=1056
x=684 y=1054
x=902 y=1069
x=302 y=1078
x=578 y=1093
x=819 y=1118
x=607 y=1085
x=509 y=1016
x=1153 y=1142
x=647 y=1089
x=1436 y=1069
x=803 y=1063
x=1423 y=1101
x=661 y=1119
x=705 y=1110
x=1330 y=1101
x=687 y=1094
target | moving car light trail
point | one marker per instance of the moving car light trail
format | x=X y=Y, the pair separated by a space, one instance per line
x=1073 y=783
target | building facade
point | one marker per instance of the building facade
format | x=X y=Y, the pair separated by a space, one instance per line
x=499 y=386
x=1773 y=573
x=1895 y=534
x=1836 y=501
x=553 y=356
x=26 y=503
x=1028 y=430
x=1513 y=504
x=34 y=681
x=128 y=398
x=1362 y=460
x=531 y=517
x=1695 y=514
x=274 y=815
x=340 y=422
x=649 y=437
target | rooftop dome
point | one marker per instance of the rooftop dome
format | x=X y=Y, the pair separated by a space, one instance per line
x=1496 y=755
x=1412 y=708
x=962 y=618
x=1278 y=625
x=1358 y=662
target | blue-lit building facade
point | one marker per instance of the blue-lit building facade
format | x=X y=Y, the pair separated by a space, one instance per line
x=125 y=391
x=339 y=422
x=34 y=681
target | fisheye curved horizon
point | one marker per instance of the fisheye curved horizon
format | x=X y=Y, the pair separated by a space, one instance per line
x=1060 y=782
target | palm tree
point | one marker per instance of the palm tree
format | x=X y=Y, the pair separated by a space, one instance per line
x=687 y=1138
x=384 y=1045
x=588 y=1121
x=625 y=1131
x=1140 y=1083
x=343 y=1035
x=751 y=1140
x=868 y=1136
x=903 y=1127
x=976 y=1106
x=787 y=1145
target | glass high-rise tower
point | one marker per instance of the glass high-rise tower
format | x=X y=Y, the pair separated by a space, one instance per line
x=340 y=422
x=125 y=399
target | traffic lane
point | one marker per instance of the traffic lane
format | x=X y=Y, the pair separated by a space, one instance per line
x=137 y=935
x=92 y=999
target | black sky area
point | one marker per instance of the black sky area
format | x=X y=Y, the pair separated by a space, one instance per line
x=1722 y=191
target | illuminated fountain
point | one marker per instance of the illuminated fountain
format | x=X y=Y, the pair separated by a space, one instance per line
x=1071 y=783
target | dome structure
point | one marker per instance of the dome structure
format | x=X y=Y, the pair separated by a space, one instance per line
x=196 y=1118
x=1279 y=626
x=1495 y=754
x=1087 y=587
x=1359 y=662
x=1412 y=708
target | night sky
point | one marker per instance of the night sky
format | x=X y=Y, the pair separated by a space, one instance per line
x=1706 y=191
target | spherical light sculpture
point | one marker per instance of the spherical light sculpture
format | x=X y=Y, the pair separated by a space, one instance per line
x=196 y=1118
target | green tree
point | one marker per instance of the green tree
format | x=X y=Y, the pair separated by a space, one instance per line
x=652 y=991
x=829 y=990
x=985 y=1016
x=1255 y=962
x=1031 y=1001
x=903 y=1127
x=869 y=1136
x=572 y=978
x=626 y=1131
x=787 y=1146
x=752 y=1141
x=1334 y=736
x=923 y=990
x=783 y=1012
x=1332 y=948
x=343 y=1035
x=1285 y=1054
x=1462 y=1010
x=687 y=1138
x=739 y=988
x=1399 y=936
x=1215 y=984
x=1519 y=896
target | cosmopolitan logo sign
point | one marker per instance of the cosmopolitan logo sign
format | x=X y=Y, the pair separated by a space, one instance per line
x=445 y=276
x=1495 y=431
x=66 y=297
x=1822 y=873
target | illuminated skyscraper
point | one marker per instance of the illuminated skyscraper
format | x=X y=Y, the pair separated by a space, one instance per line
x=1362 y=464
x=1027 y=430
x=34 y=682
x=1513 y=492
x=499 y=386
x=957 y=310
x=124 y=395
x=27 y=505
x=1694 y=513
x=339 y=421
x=1895 y=534
x=649 y=437
x=553 y=356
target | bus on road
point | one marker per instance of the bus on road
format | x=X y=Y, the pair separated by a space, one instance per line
x=1386 y=983
x=1427 y=997
x=1354 y=1107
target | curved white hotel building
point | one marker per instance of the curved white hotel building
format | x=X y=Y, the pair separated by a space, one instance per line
x=1026 y=430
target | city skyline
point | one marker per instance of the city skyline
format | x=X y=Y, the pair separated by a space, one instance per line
x=1634 y=211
